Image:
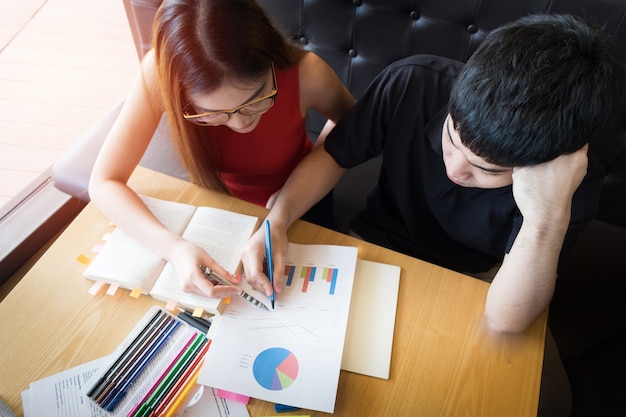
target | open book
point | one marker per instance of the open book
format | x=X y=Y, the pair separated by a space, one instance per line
x=128 y=263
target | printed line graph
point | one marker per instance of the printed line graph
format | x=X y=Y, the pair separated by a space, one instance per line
x=276 y=327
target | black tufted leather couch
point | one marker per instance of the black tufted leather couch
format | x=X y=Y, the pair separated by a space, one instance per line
x=359 y=38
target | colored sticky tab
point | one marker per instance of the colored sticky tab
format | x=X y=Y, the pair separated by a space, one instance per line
x=112 y=289
x=83 y=259
x=95 y=287
x=226 y=300
x=171 y=305
x=198 y=312
x=233 y=396
x=135 y=293
x=96 y=248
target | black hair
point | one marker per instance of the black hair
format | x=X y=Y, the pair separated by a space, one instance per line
x=535 y=89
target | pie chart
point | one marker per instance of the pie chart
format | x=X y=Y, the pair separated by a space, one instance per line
x=275 y=369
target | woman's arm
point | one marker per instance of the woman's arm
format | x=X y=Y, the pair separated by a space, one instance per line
x=321 y=89
x=312 y=179
x=120 y=154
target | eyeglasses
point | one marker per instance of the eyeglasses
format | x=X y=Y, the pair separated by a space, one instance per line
x=256 y=106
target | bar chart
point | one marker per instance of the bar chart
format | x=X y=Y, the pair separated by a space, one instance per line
x=304 y=275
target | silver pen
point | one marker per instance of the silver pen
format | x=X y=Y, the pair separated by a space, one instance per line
x=211 y=275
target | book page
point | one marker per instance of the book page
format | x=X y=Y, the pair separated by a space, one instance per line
x=173 y=215
x=222 y=234
x=168 y=288
x=291 y=355
x=125 y=261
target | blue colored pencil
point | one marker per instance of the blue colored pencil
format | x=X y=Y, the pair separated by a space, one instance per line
x=126 y=382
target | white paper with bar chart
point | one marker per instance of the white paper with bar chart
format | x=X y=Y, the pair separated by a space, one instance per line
x=291 y=355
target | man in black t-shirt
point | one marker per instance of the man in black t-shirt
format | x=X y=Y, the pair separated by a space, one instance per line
x=415 y=207
x=482 y=163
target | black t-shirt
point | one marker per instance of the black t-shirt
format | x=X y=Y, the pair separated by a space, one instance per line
x=414 y=208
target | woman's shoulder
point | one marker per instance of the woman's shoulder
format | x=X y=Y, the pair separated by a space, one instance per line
x=320 y=88
x=149 y=68
x=310 y=64
x=150 y=79
x=314 y=72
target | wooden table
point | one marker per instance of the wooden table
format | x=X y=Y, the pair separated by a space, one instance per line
x=444 y=362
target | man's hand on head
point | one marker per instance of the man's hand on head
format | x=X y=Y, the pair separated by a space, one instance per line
x=544 y=192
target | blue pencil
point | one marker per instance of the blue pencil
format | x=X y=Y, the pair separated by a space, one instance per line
x=270 y=262
x=120 y=391
x=122 y=359
x=105 y=394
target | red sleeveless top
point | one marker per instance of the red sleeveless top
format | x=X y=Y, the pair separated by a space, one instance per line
x=255 y=165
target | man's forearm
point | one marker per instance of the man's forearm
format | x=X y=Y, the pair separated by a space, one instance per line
x=524 y=285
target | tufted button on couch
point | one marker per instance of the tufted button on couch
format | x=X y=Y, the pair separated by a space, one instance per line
x=358 y=38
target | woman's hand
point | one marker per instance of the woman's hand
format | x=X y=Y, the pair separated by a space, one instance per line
x=253 y=257
x=186 y=258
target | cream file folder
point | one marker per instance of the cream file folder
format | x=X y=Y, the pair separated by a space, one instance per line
x=369 y=338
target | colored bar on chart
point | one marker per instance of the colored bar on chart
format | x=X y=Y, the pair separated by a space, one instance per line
x=327 y=274
x=289 y=273
x=308 y=273
x=333 y=280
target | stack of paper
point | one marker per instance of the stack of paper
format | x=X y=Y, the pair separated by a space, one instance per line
x=291 y=355
x=61 y=395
